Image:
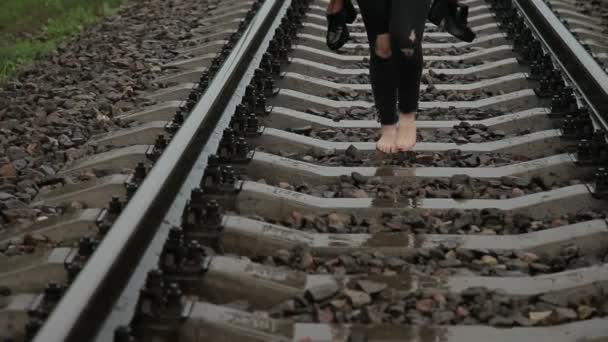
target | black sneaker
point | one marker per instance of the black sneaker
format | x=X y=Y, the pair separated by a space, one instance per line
x=337 y=31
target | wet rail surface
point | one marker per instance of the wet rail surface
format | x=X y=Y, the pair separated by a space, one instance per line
x=286 y=224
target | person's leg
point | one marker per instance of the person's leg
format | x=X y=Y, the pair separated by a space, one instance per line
x=376 y=14
x=407 y=23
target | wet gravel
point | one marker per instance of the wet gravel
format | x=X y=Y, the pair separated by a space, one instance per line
x=426 y=39
x=457 y=187
x=461 y=222
x=50 y=110
x=461 y=64
x=440 y=261
x=450 y=51
x=462 y=133
x=452 y=158
x=369 y=301
x=360 y=113
x=362 y=29
x=431 y=93
x=434 y=76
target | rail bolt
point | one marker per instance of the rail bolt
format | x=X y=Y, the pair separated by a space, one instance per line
x=238 y=122
x=72 y=270
x=213 y=213
x=253 y=128
x=601 y=183
x=175 y=299
x=115 y=207
x=213 y=160
x=260 y=106
x=86 y=246
x=31 y=328
x=53 y=292
x=123 y=334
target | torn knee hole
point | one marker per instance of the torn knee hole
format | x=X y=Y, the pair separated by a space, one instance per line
x=382 y=47
x=383 y=53
x=412 y=36
x=408 y=52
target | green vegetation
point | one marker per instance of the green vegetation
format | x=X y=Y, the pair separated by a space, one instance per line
x=29 y=28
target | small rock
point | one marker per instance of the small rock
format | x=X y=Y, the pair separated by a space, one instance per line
x=371 y=287
x=5 y=196
x=304 y=130
x=20 y=164
x=439 y=298
x=65 y=141
x=336 y=220
x=325 y=315
x=297 y=218
x=561 y=315
x=425 y=306
x=11 y=250
x=49 y=171
x=306 y=260
x=352 y=152
x=338 y=303
x=489 y=260
x=283 y=255
x=585 y=311
x=360 y=193
x=375 y=317
x=8 y=171
x=77 y=205
x=359 y=178
x=394 y=262
x=538 y=316
x=517 y=192
x=529 y=257
x=16 y=152
x=462 y=312
x=322 y=292
x=357 y=298
x=570 y=251
x=515 y=181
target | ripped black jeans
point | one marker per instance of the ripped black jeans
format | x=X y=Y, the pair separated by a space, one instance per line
x=398 y=75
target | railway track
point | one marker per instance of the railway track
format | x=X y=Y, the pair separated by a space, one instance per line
x=268 y=215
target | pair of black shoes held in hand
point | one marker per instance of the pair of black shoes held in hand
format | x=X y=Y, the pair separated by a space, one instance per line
x=453 y=17
x=448 y=14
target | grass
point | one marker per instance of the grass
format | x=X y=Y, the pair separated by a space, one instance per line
x=31 y=28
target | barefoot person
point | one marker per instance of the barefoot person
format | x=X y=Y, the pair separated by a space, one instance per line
x=394 y=30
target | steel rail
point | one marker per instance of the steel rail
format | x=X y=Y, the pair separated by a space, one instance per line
x=578 y=64
x=84 y=308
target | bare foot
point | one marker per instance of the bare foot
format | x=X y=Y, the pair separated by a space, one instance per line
x=334 y=6
x=386 y=143
x=406 y=133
